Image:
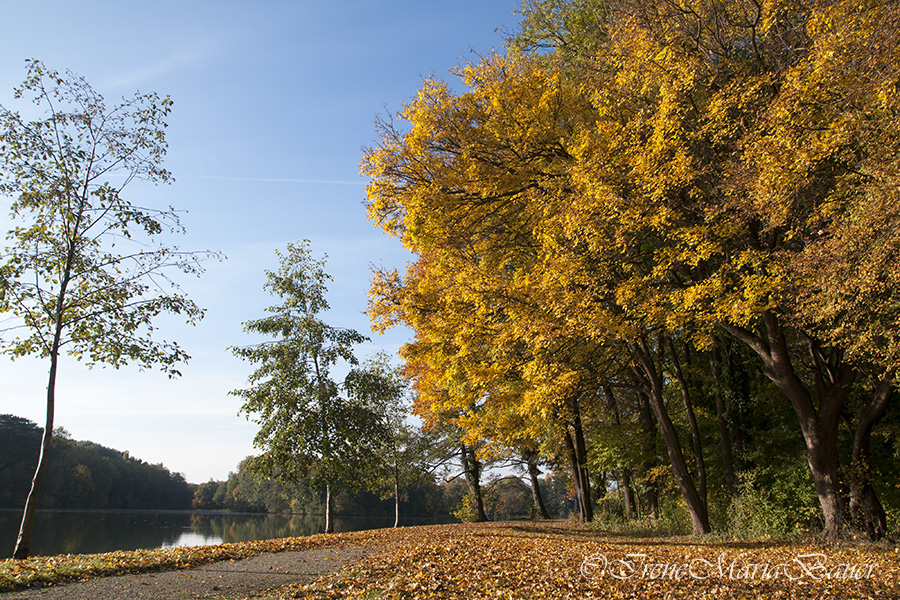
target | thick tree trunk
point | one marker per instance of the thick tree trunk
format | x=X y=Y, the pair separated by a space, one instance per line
x=866 y=511
x=695 y=504
x=329 y=509
x=472 y=469
x=731 y=483
x=533 y=473
x=833 y=378
x=822 y=457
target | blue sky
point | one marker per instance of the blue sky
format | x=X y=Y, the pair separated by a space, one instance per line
x=273 y=103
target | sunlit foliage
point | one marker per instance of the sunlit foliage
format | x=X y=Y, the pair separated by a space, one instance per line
x=588 y=221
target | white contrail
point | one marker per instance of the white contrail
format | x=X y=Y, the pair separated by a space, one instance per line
x=192 y=56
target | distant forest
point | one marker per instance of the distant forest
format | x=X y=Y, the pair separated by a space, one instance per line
x=83 y=474
x=505 y=498
x=86 y=475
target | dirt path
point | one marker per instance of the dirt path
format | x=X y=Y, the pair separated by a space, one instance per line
x=215 y=580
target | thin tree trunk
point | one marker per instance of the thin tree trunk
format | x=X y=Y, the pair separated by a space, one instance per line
x=533 y=473
x=329 y=509
x=624 y=472
x=583 y=473
x=575 y=447
x=648 y=427
x=23 y=541
x=326 y=442
x=627 y=493
x=396 y=498
x=472 y=469
x=576 y=476
x=695 y=504
x=731 y=483
x=692 y=422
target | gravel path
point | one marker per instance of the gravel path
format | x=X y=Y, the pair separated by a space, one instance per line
x=214 y=580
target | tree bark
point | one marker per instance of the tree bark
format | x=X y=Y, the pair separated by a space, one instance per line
x=396 y=498
x=329 y=509
x=866 y=511
x=472 y=469
x=627 y=493
x=624 y=472
x=731 y=483
x=23 y=541
x=651 y=493
x=573 y=466
x=581 y=455
x=692 y=422
x=577 y=449
x=695 y=504
x=833 y=378
x=533 y=472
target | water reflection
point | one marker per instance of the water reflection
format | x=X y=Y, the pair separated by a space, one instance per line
x=89 y=532
x=241 y=528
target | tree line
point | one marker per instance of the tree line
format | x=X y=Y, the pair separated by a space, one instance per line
x=82 y=474
x=657 y=240
x=86 y=475
x=348 y=437
x=426 y=497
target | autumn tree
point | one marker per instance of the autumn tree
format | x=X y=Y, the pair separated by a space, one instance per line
x=481 y=187
x=740 y=142
x=87 y=270
x=671 y=173
x=461 y=197
x=311 y=426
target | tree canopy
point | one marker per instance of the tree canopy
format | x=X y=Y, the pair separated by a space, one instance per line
x=632 y=183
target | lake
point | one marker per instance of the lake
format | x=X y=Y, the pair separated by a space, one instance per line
x=89 y=532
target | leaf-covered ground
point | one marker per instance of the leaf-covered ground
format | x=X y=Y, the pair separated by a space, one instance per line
x=527 y=560
x=562 y=560
x=42 y=570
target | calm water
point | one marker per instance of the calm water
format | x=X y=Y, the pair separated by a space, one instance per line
x=88 y=532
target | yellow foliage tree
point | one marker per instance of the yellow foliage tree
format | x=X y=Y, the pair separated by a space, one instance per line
x=675 y=169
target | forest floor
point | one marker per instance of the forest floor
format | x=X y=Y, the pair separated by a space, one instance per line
x=529 y=560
